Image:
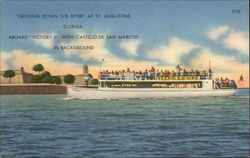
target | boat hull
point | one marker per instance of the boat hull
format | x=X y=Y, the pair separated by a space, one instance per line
x=130 y=93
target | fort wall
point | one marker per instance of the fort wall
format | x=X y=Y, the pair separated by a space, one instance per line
x=20 y=77
x=33 y=89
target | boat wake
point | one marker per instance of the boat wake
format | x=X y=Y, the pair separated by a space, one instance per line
x=155 y=98
x=67 y=98
x=240 y=97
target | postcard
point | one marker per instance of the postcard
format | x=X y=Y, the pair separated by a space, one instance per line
x=129 y=78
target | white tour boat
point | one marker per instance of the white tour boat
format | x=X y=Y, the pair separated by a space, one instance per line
x=127 y=85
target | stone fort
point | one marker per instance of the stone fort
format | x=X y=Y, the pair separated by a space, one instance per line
x=23 y=77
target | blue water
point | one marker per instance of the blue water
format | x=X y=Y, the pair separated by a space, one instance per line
x=50 y=126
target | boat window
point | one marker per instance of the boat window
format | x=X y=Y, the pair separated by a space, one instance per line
x=176 y=85
x=152 y=85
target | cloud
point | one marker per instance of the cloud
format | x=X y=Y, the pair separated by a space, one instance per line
x=237 y=41
x=131 y=46
x=47 y=43
x=100 y=51
x=215 y=33
x=5 y=58
x=16 y=61
x=173 y=52
x=230 y=38
x=221 y=66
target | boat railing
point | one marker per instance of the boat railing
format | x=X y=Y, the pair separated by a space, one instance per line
x=112 y=77
x=152 y=77
x=225 y=85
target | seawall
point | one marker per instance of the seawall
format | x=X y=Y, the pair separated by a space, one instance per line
x=33 y=89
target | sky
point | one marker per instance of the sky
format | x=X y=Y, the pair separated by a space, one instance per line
x=170 y=33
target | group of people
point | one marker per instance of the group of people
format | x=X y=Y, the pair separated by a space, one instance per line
x=153 y=74
x=225 y=83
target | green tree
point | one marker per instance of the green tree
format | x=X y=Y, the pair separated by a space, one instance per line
x=9 y=74
x=94 y=81
x=69 y=79
x=36 y=79
x=45 y=74
x=90 y=76
x=58 y=80
x=38 y=68
x=48 y=79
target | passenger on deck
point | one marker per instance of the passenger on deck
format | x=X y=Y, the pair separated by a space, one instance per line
x=233 y=84
x=221 y=80
x=167 y=73
x=123 y=72
x=178 y=68
x=157 y=73
x=197 y=73
x=185 y=73
x=145 y=74
x=173 y=74
x=128 y=70
x=203 y=74
x=150 y=74
x=152 y=69
x=181 y=73
x=226 y=81
x=216 y=80
x=162 y=73
x=191 y=73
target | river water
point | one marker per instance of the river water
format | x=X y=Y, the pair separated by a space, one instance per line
x=52 y=126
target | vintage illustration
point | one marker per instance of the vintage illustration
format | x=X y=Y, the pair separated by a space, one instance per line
x=124 y=78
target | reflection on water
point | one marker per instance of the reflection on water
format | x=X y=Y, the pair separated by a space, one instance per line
x=50 y=125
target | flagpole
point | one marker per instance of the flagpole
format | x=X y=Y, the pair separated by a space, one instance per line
x=101 y=65
x=100 y=68
x=209 y=70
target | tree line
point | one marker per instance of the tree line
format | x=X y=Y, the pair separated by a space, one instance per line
x=46 y=77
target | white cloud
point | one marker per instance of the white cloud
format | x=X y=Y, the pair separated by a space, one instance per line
x=232 y=39
x=16 y=61
x=173 y=52
x=219 y=62
x=131 y=46
x=100 y=52
x=45 y=42
x=5 y=57
x=221 y=65
x=237 y=41
x=215 y=33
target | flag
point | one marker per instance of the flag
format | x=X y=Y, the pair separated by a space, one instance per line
x=241 y=78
